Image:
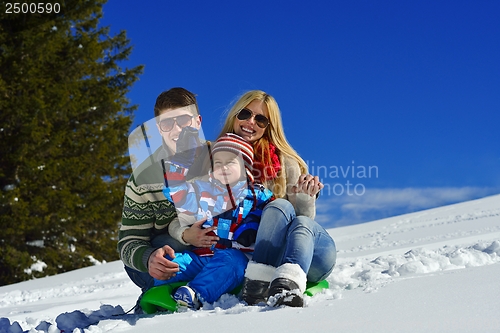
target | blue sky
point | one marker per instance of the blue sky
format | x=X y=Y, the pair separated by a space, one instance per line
x=409 y=90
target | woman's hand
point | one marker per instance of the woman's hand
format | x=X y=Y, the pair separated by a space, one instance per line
x=200 y=237
x=308 y=184
x=160 y=267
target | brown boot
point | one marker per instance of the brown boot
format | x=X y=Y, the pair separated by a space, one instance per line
x=288 y=286
x=256 y=283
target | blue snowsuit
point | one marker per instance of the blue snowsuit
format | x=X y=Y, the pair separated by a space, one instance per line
x=221 y=269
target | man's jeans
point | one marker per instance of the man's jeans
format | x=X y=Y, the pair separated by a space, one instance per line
x=284 y=237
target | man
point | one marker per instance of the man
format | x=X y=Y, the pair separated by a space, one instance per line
x=143 y=239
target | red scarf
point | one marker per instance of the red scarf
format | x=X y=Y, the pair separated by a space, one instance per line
x=263 y=172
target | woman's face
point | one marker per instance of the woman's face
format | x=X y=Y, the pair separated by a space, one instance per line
x=248 y=128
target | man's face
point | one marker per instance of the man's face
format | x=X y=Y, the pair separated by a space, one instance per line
x=171 y=122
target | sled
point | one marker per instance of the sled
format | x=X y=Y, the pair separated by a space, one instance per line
x=312 y=288
x=160 y=298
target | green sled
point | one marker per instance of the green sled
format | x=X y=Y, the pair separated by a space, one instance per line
x=160 y=298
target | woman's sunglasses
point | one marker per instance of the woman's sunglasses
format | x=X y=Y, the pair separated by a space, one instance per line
x=182 y=121
x=245 y=114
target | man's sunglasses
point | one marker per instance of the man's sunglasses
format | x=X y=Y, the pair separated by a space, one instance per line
x=245 y=114
x=182 y=121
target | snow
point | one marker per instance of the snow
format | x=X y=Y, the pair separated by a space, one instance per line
x=37 y=266
x=430 y=271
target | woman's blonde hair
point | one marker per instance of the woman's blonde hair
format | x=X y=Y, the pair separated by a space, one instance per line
x=273 y=134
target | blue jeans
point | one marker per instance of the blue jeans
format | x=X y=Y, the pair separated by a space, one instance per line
x=284 y=237
x=142 y=279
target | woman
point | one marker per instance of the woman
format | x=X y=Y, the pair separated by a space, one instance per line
x=291 y=248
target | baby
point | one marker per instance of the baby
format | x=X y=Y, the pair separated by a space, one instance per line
x=230 y=201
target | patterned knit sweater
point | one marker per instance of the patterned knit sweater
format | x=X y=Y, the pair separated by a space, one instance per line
x=146 y=212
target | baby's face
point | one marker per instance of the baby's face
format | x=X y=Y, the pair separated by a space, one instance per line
x=228 y=167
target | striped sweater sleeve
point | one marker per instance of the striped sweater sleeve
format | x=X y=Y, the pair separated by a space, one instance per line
x=146 y=212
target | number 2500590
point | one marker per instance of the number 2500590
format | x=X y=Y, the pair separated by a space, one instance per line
x=31 y=8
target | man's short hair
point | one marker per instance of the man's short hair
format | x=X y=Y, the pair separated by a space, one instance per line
x=175 y=98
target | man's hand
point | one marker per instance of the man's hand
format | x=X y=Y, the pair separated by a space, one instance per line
x=160 y=267
x=188 y=139
x=186 y=146
x=200 y=237
x=308 y=184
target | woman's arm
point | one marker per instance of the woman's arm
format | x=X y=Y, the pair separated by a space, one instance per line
x=188 y=231
x=177 y=227
x=297 y=188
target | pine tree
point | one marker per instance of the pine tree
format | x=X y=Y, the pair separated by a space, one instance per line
x=64 y=120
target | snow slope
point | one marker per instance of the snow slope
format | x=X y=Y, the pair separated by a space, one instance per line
x=430 y=271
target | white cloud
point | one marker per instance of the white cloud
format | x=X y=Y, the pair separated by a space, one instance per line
x=384 y=202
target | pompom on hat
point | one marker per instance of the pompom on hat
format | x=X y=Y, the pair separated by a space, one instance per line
x=237 y=145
